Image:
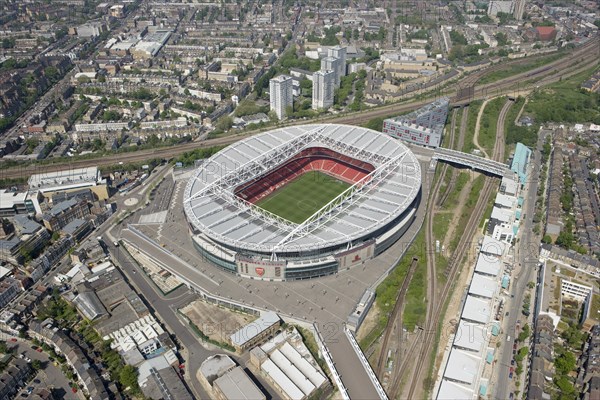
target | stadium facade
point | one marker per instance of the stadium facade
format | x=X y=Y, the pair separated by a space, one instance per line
x=230 y=230
x=424 y=126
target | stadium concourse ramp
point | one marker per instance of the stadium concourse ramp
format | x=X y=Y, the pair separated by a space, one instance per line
x=472 y=161
x=351 y=371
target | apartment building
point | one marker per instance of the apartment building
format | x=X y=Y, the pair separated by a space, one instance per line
x=281 y=96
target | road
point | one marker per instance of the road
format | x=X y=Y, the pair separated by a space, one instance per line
x=50 y=376
x=580 y=59
x=164 y=307
x=526 y=260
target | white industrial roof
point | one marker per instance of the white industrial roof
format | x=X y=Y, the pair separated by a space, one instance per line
x=213 y=208
x=302 y=364
x=255 y=328
x=510 y=185
x=87 y=175
x=483 y=286
x=282 y=380
x=454 y=391
x=470 y=336
x=301 y=381
x=505 y=200
x=463 y=367
x=477 y=310
x=9 y=199
x=236 y=385
x=492 y=246
x=487 y=264
x=501 y=214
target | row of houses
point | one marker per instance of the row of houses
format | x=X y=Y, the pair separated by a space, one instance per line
x=87 y=375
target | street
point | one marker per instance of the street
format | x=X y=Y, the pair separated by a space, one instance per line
x=526 y=260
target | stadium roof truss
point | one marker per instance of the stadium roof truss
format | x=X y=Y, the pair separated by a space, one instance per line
x=223 y=188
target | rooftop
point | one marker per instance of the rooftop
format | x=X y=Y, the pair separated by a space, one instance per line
x=236 y=385
x=67 y=177
x=477 y=310
x=255 y=328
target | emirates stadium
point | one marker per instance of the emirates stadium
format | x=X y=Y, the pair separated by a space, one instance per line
x=302 y=201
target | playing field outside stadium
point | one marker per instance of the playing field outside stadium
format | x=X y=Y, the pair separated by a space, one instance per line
x=302 y=197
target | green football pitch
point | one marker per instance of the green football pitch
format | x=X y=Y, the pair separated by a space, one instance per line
x=302 y=197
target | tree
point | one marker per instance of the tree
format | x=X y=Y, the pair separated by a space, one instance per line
x=525 y=332
x=224 y=124
x=128 y=377
x=36 y=365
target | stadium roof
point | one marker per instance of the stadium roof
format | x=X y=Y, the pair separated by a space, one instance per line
x=372 y=203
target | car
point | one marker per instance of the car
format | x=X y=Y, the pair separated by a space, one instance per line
x=51 y=359
x=39 y=349
x=37 y=381
x=511 y=396
x=12 y=339
x=514 y=346
x=74 y=390
x=512 y=362
x=506 y=314
x=24 y=394
x=510 y=375
x=514 y=352
x=512 y=370
x=34 y=347
x=30 y=389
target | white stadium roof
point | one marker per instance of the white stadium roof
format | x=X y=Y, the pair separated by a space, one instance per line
x=213 y=208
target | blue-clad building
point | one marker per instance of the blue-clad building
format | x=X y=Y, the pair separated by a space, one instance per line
x=520 y=162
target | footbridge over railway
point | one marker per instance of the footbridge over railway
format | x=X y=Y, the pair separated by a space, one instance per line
x=470 y=160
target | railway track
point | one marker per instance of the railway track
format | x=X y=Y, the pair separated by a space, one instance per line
x=455 y=261
x=581 y=58
x=394 y=320
x=459 y=146
x=395 y=387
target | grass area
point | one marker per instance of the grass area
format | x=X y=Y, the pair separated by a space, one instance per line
x=303 y=196
x=509 y=124
x=311 y=344
x=474 y=107
x=415 y=302
x=440 y=225
x=488 y=211
x=205 y=337
x=387 y=290
x=512 y=70
x=452 y=200
x=564 y=101
x=467 y=209
x=489 y=123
